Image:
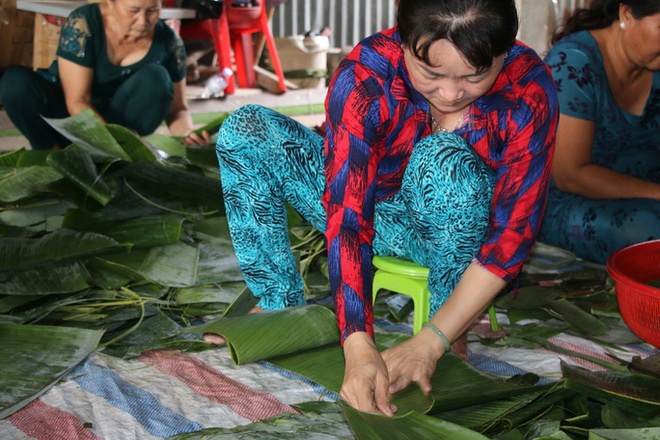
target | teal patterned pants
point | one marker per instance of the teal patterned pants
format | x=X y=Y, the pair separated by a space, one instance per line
x=439 y=218
x=593 y=229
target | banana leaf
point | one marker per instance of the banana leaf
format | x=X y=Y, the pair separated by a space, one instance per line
x=130 y=143
x=35 y=213
x=167 y=144
x=267 y=336
x=544 y=429
x=221 y=293
x=317 y=421
x=529 y=297
x=42 y=353
x=585 y=322
x=492 y=415
x=117 y=266
x=324 y=365
x=173 y=265
x=413 y=426
x=10 y=319
x=614 y=418
x=456 y=384
x=264 y=335
x=11 y=159
x=88 y=132
x=33 y=158
x=9 y=302
x=217 y=264
x=61 y=245
x=242 y=304
x=22 y=183
x=157 y=332
x=78 y=166
x=540 y=406
x=174 y=188
x=635 y=393
x=153 y=230
x=625 y=434
x=204 y=156
x=331 y=358
x=208 y=300
x=66 y=277
x=464 y=386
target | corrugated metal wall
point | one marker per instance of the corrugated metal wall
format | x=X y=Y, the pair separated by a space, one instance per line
x=352 y=20
x=349 y=20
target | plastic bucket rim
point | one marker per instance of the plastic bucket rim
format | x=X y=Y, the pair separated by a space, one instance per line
x=618 y=276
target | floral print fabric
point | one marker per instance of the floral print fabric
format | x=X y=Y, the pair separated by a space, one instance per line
x=623 y=142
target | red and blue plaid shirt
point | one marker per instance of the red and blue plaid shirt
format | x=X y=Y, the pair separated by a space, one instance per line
x=374 y=116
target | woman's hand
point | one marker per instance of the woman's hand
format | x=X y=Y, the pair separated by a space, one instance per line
x=197 y=139
x=365 y=378
x=413 y=361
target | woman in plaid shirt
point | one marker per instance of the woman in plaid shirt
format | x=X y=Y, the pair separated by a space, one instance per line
x=440 y=134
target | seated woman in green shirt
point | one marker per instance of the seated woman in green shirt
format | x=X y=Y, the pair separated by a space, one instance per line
x=115 y=58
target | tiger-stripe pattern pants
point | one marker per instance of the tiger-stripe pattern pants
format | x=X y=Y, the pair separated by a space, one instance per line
x=438 y=219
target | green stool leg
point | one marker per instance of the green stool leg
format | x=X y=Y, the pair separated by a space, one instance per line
x=416 y=287
x=410 y=279
x=494 y=325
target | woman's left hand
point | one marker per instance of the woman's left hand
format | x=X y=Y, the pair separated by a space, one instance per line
x=413 y=361
x=197 y=139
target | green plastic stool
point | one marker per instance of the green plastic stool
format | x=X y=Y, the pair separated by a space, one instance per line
x=410 y=279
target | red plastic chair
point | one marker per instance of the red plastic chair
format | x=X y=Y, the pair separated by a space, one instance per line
x=216 y=30
x=235 y=27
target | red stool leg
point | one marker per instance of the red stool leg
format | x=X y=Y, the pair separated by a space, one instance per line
x=244 y=55
x=272 y=48
x=222 y=42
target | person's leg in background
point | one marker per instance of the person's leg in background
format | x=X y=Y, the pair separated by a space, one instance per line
x=28 y=97
x=142 y=102
x=593 y=229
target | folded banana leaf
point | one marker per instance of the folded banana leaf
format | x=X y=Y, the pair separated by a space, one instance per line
x=413 y=426
x=635 y=393
x=166 y=144
x=78 y=166
x=306 y=340
x=264 y=335
x=88 y=132
x=42 y=353
x=22 y=183
x=130 y=143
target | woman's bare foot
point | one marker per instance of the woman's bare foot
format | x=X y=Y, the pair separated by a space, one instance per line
x=213 y=338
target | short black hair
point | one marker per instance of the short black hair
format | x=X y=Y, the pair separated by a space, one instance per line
x=480 y=29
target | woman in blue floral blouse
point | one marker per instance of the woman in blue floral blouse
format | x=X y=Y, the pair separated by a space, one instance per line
x=605 y=193
x=115 y=58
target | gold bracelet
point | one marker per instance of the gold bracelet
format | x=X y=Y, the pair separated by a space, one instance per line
x=441 y=335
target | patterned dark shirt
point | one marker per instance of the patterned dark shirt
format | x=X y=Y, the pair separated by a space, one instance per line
x=375 y=117
x=584 y=93
x=82 y=41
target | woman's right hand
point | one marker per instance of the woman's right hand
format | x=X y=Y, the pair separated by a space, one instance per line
x=366 y=382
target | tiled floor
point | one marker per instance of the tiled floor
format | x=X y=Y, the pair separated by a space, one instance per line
x=304 y=106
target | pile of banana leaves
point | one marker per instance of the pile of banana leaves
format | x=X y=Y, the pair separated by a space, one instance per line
x=119 y=244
